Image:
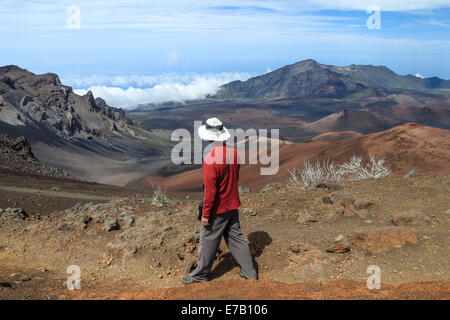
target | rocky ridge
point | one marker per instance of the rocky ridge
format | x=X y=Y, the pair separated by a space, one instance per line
x=42 y=101
x=16 y=155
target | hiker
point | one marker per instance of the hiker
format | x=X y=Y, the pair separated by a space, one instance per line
x=220 y=216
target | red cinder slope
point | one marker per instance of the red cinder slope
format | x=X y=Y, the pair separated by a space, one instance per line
x=405 y=147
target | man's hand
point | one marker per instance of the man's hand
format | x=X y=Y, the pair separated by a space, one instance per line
x=205 y=221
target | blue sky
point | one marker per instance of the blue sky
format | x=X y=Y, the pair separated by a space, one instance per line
x=186 y=48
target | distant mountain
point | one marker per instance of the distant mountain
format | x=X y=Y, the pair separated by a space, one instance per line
x=33 y=100
x=310 y=78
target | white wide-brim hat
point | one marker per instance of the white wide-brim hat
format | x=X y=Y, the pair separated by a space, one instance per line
x=213 y=130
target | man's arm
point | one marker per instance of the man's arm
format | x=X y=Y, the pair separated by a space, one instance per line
x=210 y=182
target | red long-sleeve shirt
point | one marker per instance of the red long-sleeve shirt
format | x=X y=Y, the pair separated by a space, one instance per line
x=226 y=197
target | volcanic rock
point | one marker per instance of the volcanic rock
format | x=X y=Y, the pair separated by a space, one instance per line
x=410 y=217
x=340 y=247
x=383 y=239
x=111 y=224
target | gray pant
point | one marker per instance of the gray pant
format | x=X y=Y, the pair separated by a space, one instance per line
x=226 y=225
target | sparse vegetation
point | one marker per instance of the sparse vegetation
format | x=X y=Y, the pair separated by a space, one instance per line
x=355 y=171
x=326 y=172
x=160 y=198
x=312 y=174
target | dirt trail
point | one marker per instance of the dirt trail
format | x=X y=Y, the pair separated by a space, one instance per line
x=56 y=194
x=42 y=195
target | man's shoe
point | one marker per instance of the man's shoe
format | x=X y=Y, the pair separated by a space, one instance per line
x=187 y=280
x=243 y=277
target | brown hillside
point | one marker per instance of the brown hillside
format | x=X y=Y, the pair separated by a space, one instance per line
x=405 y=147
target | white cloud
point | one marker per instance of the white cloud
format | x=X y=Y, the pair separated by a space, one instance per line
x=385 y=5
x=185 y=15
x=434 y=22
x=418 y=75
x=161 y=88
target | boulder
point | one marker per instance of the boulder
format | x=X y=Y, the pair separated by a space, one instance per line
x=14 y=213
x=410 y=217
x=330 y=186
x=23 y=147
x=111 y=224
x=84 y=222
x=340 y=247
x=249 y=212
x=379 y=240
x=294 y=247
x=101 y=218
x=126 y=219
x=243 y=189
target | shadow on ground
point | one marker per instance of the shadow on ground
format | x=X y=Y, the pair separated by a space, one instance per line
x=257 y=240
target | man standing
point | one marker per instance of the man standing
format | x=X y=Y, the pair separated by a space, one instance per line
x=220 y=216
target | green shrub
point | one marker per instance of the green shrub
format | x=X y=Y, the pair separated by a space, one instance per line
x=160 y=198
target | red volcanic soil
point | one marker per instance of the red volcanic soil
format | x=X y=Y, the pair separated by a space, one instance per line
x=336 y=135
x=361 y=121
x=405 y=147
x=428 y=113
x=273 y=290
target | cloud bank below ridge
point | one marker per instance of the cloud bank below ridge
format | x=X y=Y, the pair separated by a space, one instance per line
x=129 y=91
